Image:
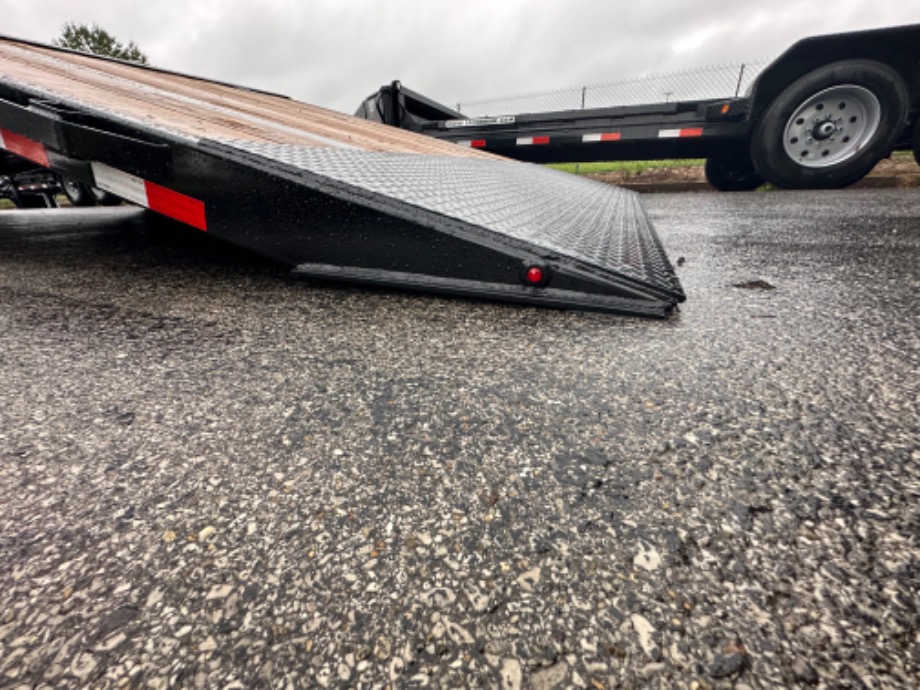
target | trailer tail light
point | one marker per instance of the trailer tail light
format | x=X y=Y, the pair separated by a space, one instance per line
x=535 y=275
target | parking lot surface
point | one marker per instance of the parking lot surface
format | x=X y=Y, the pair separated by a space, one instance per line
x=214 y=475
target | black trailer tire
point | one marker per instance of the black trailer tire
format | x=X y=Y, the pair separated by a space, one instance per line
x=76 y=192
x=105 y=198
x=916 y=145
x=31 y=201
x=733 y=175
x=829 y=128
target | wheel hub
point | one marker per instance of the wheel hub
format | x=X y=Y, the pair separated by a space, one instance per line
x=825 y=130
x=832 y=126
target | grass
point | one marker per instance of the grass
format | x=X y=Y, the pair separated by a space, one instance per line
x=7 y=204
x=628 y=167
x=636 y=167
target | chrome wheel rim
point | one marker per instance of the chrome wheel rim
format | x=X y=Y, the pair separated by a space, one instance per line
x=832 y=126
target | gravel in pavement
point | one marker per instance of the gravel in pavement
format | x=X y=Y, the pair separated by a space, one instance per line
x=213 y=475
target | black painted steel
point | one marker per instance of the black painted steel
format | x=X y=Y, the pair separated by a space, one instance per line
x=722 y=124
x=439 y=223
x=465 y=226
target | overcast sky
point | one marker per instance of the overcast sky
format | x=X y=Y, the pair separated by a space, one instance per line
x=335 y=52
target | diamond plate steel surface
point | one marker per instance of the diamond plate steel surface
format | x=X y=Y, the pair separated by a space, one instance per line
x=588 y=221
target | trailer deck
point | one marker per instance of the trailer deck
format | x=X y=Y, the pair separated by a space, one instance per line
x=331 y=195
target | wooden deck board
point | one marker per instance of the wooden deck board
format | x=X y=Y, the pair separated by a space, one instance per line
x=203 y=109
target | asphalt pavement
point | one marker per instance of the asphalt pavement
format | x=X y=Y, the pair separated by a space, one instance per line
x=215 y=475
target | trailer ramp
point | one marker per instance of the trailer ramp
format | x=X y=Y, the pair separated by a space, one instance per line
x=330 y=195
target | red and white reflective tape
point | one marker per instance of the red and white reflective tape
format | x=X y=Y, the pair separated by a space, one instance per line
x=532 y=141
x=153 y=196
x=680 y=133
x=150 y=195
x=23 y=146
x=473 y=143
x=601 y=136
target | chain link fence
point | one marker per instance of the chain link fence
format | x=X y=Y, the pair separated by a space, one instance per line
x=709 y=82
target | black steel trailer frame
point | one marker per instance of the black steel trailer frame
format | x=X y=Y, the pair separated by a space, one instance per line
x=745 y=140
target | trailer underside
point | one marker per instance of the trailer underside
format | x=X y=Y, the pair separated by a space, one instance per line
x=330 y=195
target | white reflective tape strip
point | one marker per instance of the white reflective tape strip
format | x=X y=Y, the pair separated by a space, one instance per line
x=464 y=143
x=679 y=133
x=602 y=136
x=2 y=143
x=524 y=141
x=121 y=184
x=150 y=195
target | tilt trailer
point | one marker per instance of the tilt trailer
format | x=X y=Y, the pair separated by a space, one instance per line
x=819 y=116
x=332 y=196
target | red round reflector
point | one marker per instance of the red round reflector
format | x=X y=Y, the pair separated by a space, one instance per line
x=535 y=275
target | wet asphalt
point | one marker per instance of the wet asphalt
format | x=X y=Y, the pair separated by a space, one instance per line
x=213 y=475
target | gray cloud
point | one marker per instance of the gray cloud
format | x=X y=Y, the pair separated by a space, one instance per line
x=333 y=53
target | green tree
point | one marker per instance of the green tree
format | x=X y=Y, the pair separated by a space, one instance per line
x=96 y=40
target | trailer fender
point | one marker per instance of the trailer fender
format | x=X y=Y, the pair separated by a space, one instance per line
x=831 y=126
